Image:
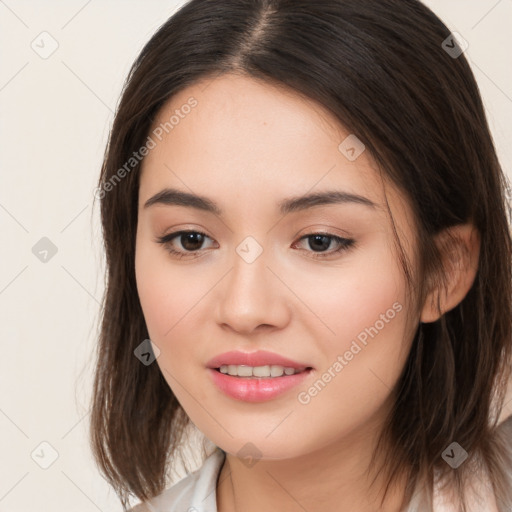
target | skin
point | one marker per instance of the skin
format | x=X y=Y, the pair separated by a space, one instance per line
x=247 y=145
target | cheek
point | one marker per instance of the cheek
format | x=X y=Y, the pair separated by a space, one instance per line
x=360 y=302
x=352 y=297
x=166 y=292
x=174 y=300
x=363 y=330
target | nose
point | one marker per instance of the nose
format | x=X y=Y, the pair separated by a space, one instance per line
x=252 y=297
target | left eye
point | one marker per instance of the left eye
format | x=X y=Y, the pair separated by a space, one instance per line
x=322 y=241
x=191 y=242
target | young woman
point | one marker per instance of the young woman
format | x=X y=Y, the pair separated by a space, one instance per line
x=309 y=260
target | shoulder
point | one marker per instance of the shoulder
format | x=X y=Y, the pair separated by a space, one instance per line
x=197 y=489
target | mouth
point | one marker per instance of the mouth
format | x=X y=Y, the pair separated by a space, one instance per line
x=258 y=383
x=260 y=372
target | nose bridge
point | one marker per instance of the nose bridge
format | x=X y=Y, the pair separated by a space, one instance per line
x=249 y=296
x=248 y=282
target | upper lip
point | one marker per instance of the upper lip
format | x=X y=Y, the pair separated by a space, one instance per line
x=258 y=358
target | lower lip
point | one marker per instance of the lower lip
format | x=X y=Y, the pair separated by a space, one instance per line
x=256 y=389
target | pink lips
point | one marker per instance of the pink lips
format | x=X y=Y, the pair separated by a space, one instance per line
x=255 y=389
x=259 y=358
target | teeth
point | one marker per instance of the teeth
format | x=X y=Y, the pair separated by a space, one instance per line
x=257 y=371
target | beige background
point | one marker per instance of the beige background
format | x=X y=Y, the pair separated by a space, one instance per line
x=55 y=114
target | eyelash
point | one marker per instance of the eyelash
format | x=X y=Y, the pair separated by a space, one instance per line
x=344 y=244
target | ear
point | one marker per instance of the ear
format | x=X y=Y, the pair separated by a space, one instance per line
x=460 y=249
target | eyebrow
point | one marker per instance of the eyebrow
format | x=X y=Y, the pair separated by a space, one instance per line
x=172 y=196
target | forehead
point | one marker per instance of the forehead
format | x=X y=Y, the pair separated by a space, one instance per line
x=253 y=140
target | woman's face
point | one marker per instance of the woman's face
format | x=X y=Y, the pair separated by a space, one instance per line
x=259 y=279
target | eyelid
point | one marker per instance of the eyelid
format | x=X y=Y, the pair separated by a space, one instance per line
x=323 y=229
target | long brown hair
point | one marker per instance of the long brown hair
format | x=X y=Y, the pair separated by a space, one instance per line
x=384 y=69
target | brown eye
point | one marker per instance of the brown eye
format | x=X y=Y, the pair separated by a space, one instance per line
x=319 y=243
x=190 y=242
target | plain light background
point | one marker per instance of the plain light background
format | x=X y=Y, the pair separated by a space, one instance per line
x=55 y=114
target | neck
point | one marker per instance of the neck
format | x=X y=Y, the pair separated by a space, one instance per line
x=331 y=478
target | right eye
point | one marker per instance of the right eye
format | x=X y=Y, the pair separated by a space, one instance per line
x=190 y=241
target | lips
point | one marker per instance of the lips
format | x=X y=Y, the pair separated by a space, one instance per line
x=258 y=358
x=254 y=390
